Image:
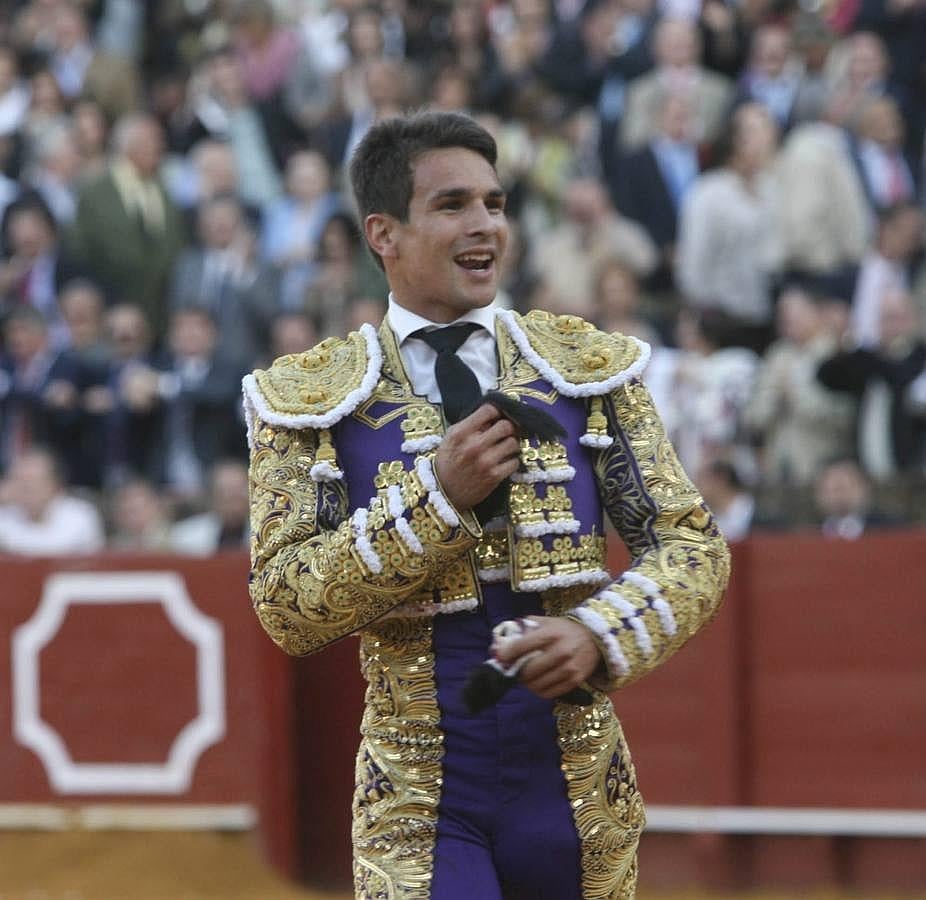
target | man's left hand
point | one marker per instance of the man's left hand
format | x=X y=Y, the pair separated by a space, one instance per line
x=566 y=656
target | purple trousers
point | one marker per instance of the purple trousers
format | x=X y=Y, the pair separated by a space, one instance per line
x=505 y=829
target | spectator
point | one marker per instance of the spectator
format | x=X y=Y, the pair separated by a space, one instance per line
x=730 y=245
x=82 y=307
x=678 y=70
x=268 y=51
x=225 y=277
x=650 y=184
x=14 y=95
x=591 y=231
x=344 y=275
x=799 y=423
x=196 y=397
x=37 y=515
x=733 y=506
x=291 y=332
x=39 y=391
x=127 y=231
x=886 y=267
x=293 y=225
x=55 y=172
x=46 y=113
x=140 y=519
x=887 y=381
x=35 y=268
x=91 y=134
x=617 y=302
x=226 y=524
x=842 y=495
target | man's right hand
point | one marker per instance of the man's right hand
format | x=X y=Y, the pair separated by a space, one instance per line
x=476 y=455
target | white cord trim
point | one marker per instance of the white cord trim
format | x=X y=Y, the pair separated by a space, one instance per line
x=420 y=610
x=631 y=616
x=396 y=503
x=250 y=415
x=666 y=618
x=545 y=476
x=397 y=511
x=539 y=529
x=588 y=389
x=647 y=585
x=500 y=573
x=344 y=408
x=324 y=471
x=622 y=605
x=364 y=547
x=597 y=441
x=435 y=497
x=496 y=525
x=561 y=581
x=422 y=444
x=616 y=659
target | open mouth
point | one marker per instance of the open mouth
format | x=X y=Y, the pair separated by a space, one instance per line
x=475 y=262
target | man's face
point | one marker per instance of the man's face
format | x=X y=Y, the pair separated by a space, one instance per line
x=445 y=260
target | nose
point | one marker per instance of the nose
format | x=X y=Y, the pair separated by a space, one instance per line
x=483 y=220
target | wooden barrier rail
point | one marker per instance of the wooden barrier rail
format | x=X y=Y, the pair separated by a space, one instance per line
x=786 y=745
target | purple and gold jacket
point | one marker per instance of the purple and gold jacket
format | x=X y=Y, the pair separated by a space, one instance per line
x=351 y=534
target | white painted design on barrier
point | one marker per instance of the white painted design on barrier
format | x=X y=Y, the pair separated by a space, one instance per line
x=110 y=588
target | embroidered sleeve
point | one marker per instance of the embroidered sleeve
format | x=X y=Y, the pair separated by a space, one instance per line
x=318 y=573
x=680 y=562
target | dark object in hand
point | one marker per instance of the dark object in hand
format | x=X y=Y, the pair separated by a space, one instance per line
x=531 y=420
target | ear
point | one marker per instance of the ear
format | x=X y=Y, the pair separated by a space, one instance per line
x=380 y=230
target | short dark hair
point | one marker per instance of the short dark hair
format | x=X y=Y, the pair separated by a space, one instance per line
x=381 y=167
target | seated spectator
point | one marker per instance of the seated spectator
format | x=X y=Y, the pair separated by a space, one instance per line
x=14 y=95
x=226 y=524
x=733 y=506
x=566 y=256
x=55 y=172
x=799 y=423
x=291 y=332
x=891 y=423
x=730 y=244
x=226 y=277
x=345 y=273
x=38 y=517
x=140 y=519
x=617 y=302
x=82 y=310
x=842 y=495
x=39 y=391
x=292 y=226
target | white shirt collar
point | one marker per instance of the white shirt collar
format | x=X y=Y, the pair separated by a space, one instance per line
x=404 y=322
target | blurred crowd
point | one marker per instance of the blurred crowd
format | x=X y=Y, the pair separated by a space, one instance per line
x=737 y=182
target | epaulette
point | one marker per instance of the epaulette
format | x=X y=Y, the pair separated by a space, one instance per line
x=317 y=388
x=573 y=355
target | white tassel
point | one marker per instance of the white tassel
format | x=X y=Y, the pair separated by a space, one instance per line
x=599 y=626
x=364 y=547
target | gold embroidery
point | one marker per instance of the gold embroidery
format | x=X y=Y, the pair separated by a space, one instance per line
x=311 y=586
x=607 y=807
x=569 y=555
x=492 y=550
x=576 y=349
x=316 y=381
x=398 y=764
x=422 y=422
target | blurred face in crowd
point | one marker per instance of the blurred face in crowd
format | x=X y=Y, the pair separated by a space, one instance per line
x=366 y=34
x=771 y=49
x=867 y=63
x=219 y=222
x=444 y=259
x=756 y=137
x=89 y=127
x=677 y=44
x=144 y=145
x=585 y=201
x=385 y=83
x=841 y=490
x=45 y=94
x=82 y=309
x=215 y=168
x=292 y=333
x=230 y=492
x=137 y=508
x=9 y=69
x=307 y=176
x=675 y=118
x=799 y=319
x=902 y=233
x=33 y=483
x=70 y=27
x=192 y=334
x=30 y=233
x=127 y=331
x=25 y=337
x=618 y=293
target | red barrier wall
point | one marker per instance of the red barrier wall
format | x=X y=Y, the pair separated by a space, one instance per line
x=806 y=691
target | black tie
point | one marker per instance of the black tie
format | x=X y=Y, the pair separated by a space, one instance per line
x=459 y=388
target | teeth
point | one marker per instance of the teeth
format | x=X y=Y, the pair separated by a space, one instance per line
x=475 y=257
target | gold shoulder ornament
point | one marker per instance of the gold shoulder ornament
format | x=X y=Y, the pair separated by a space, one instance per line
x=579 y=361
x=317 y=388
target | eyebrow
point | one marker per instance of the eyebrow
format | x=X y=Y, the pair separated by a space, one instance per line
x=460 y=193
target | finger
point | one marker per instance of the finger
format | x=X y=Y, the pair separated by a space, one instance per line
x=509 y=651
x=480 y=419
